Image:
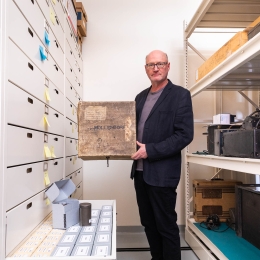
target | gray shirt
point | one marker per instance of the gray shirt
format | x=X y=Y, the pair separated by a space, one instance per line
x=151 y=99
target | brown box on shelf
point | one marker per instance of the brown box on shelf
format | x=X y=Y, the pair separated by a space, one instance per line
x=106 y=130
x=219 y=56
x=213 y=197
x=253 y=24
x=81 y=19
x=254 y=31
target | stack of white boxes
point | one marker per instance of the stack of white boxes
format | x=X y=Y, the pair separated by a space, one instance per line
x=44 y=73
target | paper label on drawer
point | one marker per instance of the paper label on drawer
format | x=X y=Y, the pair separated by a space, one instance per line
x=47 y=201
x=46 y=178
x=105 y=220
x=47 y=151
x=68 y=239
x=52 y=152
x=104 y=228
x=101 y=250
x=89 y=229
x=46 y=122
x=62 y=251
x=103 y=238
x=82 y=251
x=107 y=213
x=86 y=238
x=96 y=113
x=74 y=229
x=47 y=95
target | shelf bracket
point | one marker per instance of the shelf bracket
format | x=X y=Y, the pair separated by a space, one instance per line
x=196 y=51
x=248 y=99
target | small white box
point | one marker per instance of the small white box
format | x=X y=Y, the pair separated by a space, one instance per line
x=82 y=250
x=89 y=229
x=106 y=214
x=107 y=208
x=105 y=220
x=102 y=238
x=68 y=239
x=221 y=119
x=65 y=212
x=101 y=250
x=84 y=239
x=95 y=213
x=104 y=228
x=62 y=251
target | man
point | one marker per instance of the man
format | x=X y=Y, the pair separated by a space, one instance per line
x=164 y=127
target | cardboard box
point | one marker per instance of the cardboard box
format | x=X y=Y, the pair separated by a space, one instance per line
x=213 y=197
x=252 y=25
x=107 y=130
x=238 y=40
x=65 y=212
x=81 y=19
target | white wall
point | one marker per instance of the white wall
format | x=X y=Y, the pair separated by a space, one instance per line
x=119 y=36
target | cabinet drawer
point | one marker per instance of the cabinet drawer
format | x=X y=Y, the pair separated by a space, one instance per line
x=76 y=176
x=72 y=163
x=71 y=147
x=70 y=36
x=57 y=6
x=78 y=192
x=69 y=53
x=71 y=93
x=79 y=88
x=25 y=38
x=71 y=111
x=70 y=74
x=27 y=146
x=23 y=72
x=71 y=129
x=22 y=182
x=27 y=111
x=24 y=218
x=55 y=25
x=36 y=19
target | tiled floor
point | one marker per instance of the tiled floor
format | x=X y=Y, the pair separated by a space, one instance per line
x=138 y=240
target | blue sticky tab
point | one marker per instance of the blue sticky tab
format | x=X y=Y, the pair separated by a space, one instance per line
x=46 y=38
x=79 y=16
x=42 y=55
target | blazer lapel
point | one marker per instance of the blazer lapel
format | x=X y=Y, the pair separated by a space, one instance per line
x=164 y=94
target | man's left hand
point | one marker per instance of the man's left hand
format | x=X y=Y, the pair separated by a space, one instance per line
x=141 y=153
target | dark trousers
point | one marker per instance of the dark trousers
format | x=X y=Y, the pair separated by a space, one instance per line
x=159 y=218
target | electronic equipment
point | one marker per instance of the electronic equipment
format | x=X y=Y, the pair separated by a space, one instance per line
x=246 y=141
x=212 y=221
x=248 y=212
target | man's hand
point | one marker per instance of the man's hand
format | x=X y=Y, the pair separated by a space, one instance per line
x=141 y=153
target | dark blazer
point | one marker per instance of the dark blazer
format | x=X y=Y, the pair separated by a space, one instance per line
x=167 y=130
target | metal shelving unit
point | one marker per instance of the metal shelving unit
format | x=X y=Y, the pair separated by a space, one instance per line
x=240 y=71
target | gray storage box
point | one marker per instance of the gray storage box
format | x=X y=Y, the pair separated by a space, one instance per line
x=65 y=212
x=80 y=250
x=101 y=250
x=62 y=251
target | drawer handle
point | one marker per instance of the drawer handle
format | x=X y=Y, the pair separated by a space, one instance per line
x=30 y=100
x=32 y=1
x=30 y=65
x=56 y=163
x=29 y=205
x=70 y=69
x=70 y=123
x=57 y=92
x=29 y=135
x=70 y=34
x=57 y=115
x=70 y=141
x=57 y=44
x=56 y=67
x=70 y=159
x=56 y=139
x=30 y=31
x=70 y=177
x=78 y=187
x=57 y=20
x=29 y=170
x=71 y=88
x=70 y=105
x=71 y=52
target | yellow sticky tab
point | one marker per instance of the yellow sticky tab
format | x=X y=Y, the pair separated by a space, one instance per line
x=52 y=16
x=46 y=120
x=52 y=152
x=54 y=1
x=72 y=128
x=74 y=159
x=47 y=95
x=72 y=110
x=77 y=146
x=47 y=201
x=47 y=151
x=46 y=178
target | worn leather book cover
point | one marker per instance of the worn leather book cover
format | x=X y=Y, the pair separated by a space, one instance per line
x=107 y=130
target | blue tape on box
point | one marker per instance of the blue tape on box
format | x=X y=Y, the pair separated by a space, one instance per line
x=46 y=38
x=42 y=55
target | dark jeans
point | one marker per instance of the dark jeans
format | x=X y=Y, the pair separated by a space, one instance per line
x=158 y=216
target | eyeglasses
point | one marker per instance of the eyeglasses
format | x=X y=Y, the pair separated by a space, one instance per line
x=159 y=65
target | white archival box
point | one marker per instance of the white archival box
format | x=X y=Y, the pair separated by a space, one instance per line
x=65 y=211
